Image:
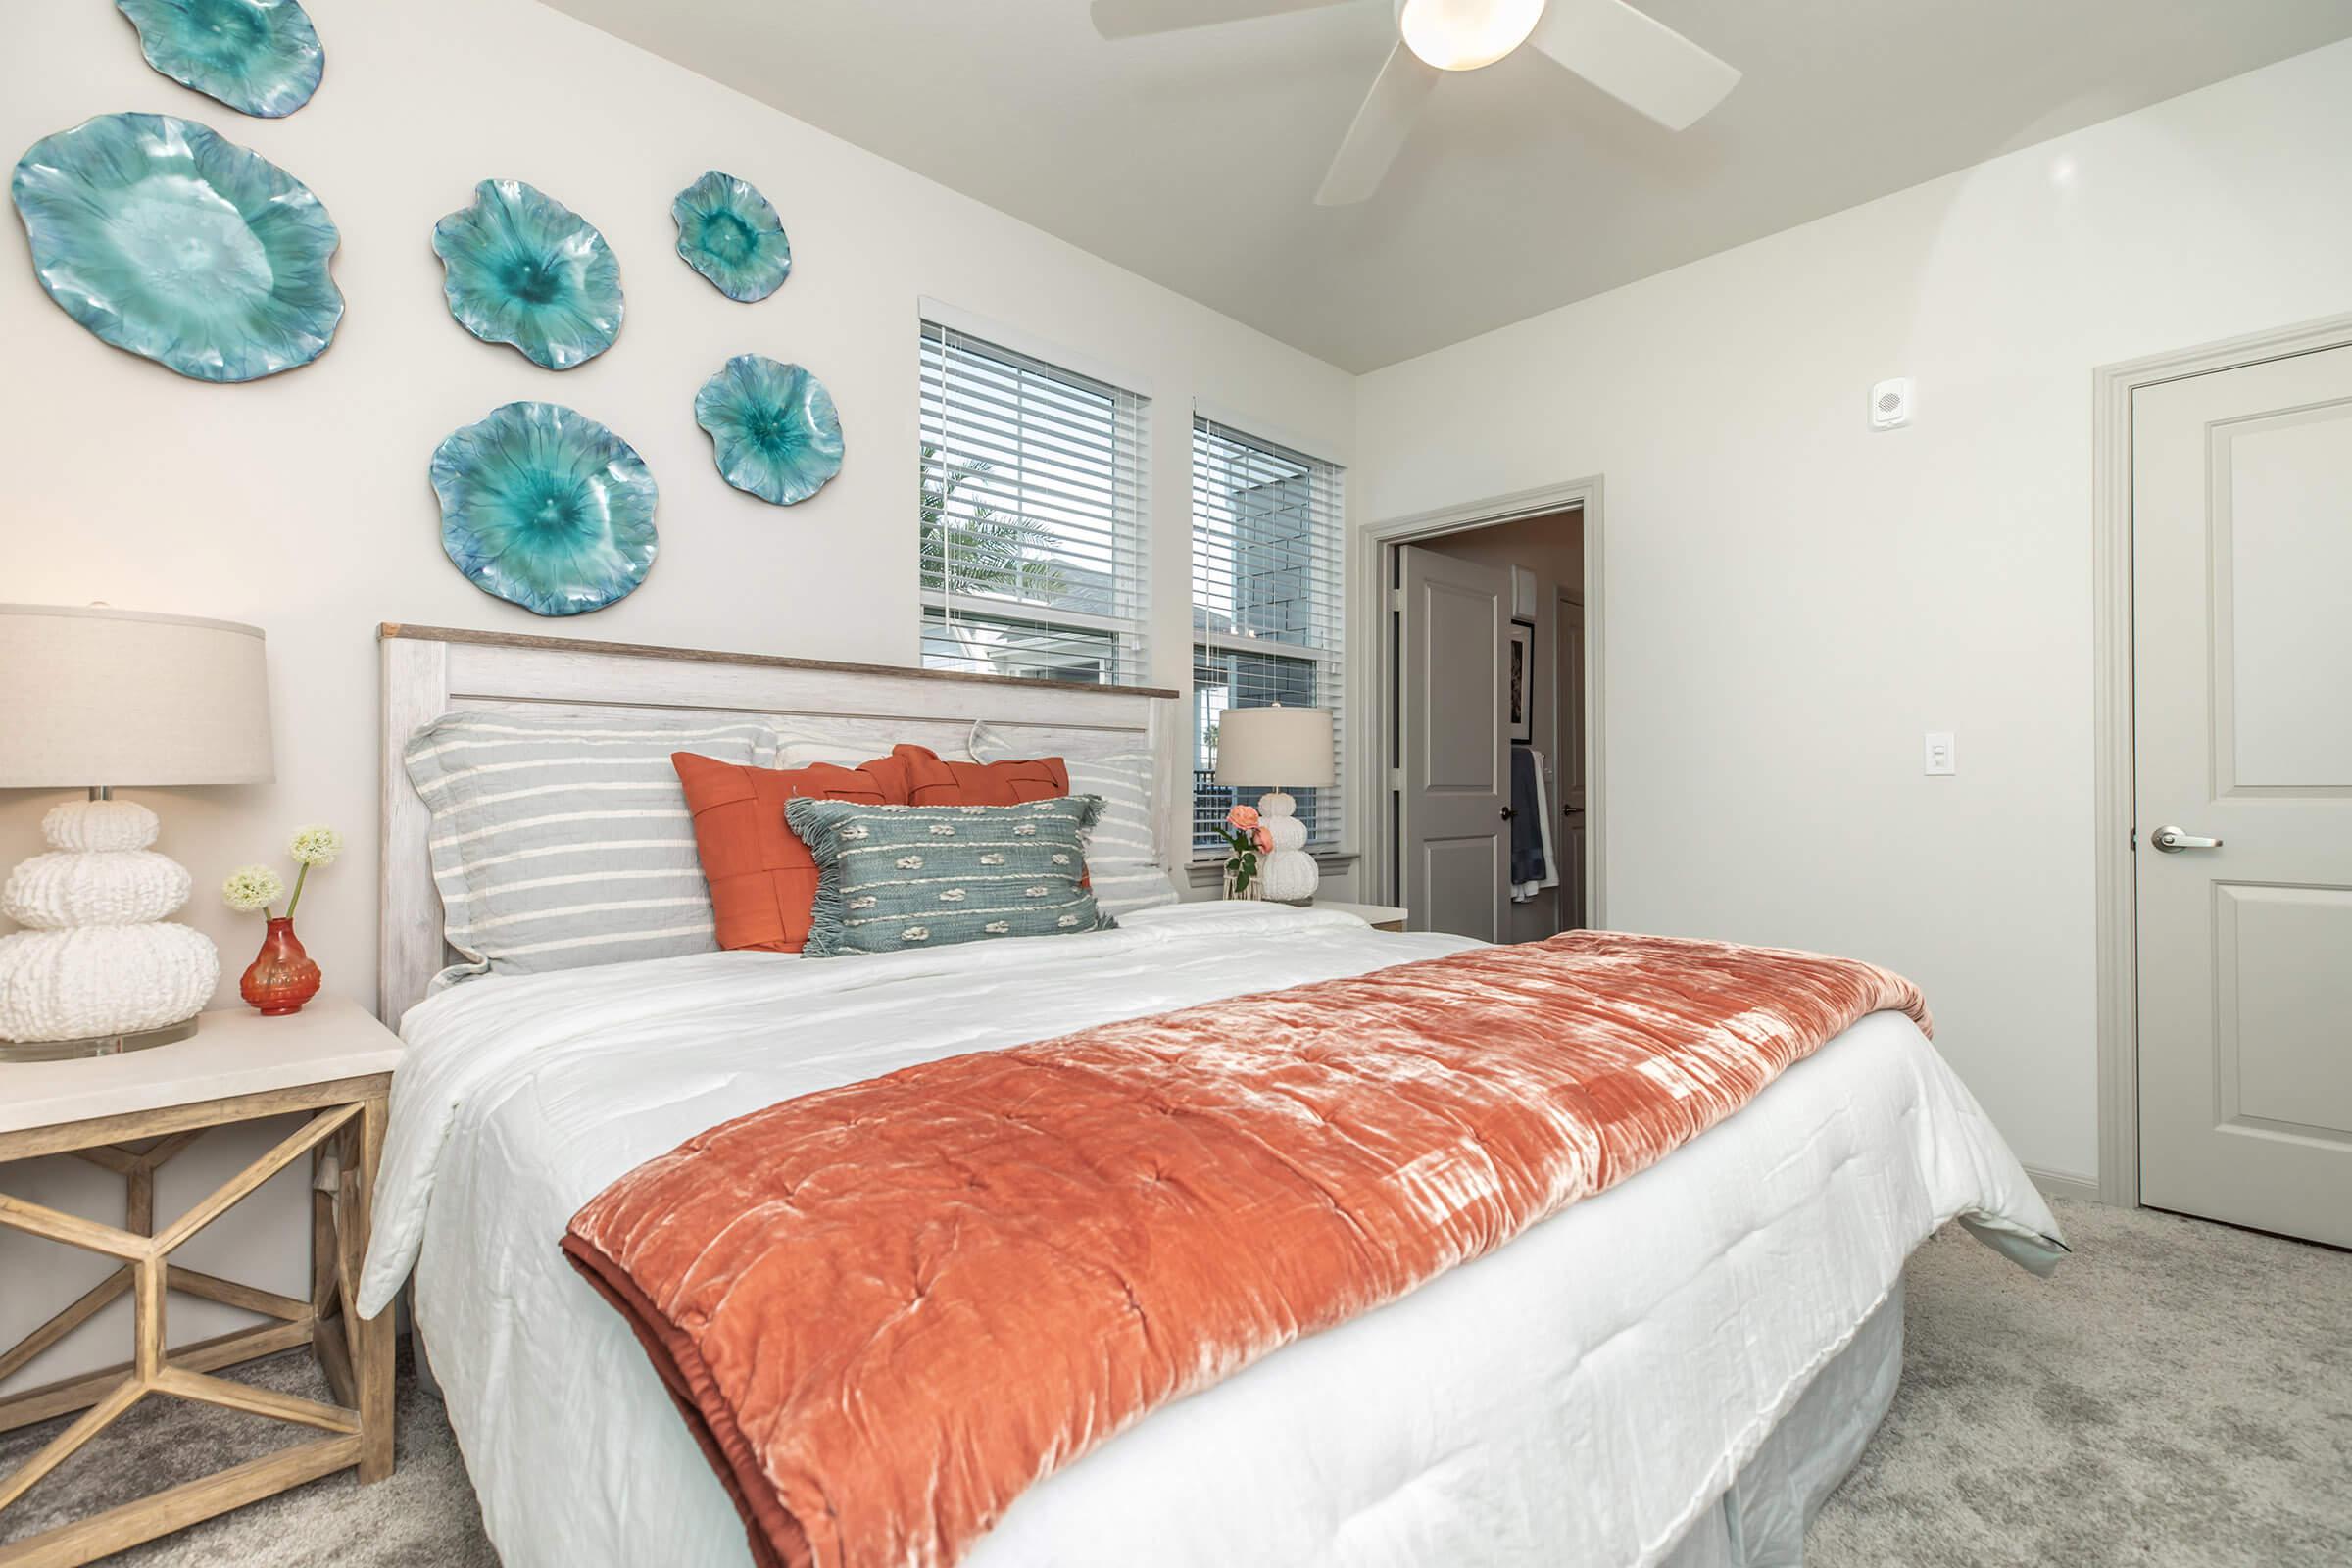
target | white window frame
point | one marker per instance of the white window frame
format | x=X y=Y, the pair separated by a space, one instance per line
x=1124 y=528
x=1327 y=598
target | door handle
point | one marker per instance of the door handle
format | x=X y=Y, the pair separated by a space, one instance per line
x=1507 y=814
x=2172 y=841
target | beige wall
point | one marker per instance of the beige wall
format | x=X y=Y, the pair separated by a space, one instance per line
x=1792 y=600
x=300 y=503
x=1553 y=548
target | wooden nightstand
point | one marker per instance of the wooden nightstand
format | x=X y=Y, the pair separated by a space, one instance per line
x=1379 y=917
x=131 y=1113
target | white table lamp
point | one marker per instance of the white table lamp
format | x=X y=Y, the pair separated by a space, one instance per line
x=1274 y=746
x=96 y=698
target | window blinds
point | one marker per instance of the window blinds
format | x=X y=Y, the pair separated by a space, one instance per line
x=1268 y=561
x=1032 y=557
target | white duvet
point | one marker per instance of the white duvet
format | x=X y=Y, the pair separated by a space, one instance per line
x=1578 y=1398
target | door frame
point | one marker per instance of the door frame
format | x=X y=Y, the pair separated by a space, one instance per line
x=2115 y=804
x=1374 y=670
x=1562 y=596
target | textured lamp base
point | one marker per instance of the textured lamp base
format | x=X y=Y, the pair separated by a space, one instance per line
x=95 y=1044
x=1285 y=873
x=97 y=968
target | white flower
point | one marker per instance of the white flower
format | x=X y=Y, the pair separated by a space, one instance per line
x=916 y=933
x=1059 y=858
x=910 y=863
x=1024 y=830
x=1067 y=920
x=316 y=846
x=1038 y=893
x=952 y=896
x=856 y=830
x=942 y=830
x=998 y=929
x=252 y=887
x=992 y=858
x=865 y=903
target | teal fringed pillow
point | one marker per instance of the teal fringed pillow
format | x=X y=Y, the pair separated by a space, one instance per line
x=892 y=878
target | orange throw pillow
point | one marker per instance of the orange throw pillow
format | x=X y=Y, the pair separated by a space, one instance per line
x=932 y=782
x=763 y=879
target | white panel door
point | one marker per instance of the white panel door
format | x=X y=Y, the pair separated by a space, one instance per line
x=1454 y=829
x=2242 y=668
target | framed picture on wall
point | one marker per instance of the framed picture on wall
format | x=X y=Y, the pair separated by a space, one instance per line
x=1519 y=682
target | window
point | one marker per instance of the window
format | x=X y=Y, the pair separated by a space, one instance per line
x=1032 y=517
x=1266 y=596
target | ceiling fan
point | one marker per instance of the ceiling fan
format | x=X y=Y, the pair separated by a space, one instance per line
x=1629 y=55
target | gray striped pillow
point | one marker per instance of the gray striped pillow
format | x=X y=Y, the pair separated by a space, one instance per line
x=899 y=878
x=1122 y=850
x=560 y=843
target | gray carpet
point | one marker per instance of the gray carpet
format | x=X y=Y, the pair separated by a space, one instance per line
x=2181 y=1395
x=2177 y=1394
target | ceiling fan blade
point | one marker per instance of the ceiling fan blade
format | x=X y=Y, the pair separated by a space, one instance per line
x=1634 y=58
x=1381 y=127
x=1136 y=19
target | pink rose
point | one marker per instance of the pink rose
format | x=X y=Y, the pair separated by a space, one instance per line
x=1262 y=837
x=1244 y=817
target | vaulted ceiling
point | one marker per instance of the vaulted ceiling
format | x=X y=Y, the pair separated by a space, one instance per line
x=1193 y=158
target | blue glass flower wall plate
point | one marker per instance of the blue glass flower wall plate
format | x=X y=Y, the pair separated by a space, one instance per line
x=544 y=507
x=521 y=267
x=258 y=57
x=773 y=429
x=729 y=234
x=168 y=240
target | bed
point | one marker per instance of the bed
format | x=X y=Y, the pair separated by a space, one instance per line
x=1675 y=1371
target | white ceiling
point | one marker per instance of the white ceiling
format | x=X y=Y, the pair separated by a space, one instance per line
x=1193 y=158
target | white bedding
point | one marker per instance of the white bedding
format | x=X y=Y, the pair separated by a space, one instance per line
x=1578 y=1397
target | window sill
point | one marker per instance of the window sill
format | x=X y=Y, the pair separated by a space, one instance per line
x=1209 y=873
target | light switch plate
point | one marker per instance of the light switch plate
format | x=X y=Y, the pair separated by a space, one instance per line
x=1939 y=759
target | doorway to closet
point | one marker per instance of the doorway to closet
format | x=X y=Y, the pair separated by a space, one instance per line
x=1485 y=689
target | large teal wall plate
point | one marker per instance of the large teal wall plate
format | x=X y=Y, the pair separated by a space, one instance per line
x=773 y=429
x=521 y=267
x=544 y=507
x=168 y=240
x=258 y=57
x=729 y=234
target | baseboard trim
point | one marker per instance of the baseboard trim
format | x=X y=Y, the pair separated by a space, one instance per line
x=2058 y=1184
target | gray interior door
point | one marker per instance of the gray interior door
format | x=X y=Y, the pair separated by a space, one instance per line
x=2242 y=675
x=1455 y=839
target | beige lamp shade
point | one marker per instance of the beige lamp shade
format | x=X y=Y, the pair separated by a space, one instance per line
x=1274 y=746
x=104 y=697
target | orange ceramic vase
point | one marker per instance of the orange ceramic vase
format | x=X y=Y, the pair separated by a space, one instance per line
x=283 y=976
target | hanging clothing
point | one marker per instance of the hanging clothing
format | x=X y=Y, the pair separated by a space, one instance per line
x=1527 y=816
x=1539 y=868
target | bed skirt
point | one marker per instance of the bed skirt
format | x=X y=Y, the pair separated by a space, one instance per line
x=1760 y=1521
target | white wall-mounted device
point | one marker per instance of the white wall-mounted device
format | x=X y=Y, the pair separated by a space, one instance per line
x=1939 y=757
x=1890 y=404
x=1523 y=593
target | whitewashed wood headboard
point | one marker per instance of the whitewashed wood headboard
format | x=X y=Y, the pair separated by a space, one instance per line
x=431 y=671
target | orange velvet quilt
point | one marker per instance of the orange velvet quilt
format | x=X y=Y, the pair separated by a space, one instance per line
x=888 y=1308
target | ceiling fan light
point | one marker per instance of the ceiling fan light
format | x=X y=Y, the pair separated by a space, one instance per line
x=1465 y=34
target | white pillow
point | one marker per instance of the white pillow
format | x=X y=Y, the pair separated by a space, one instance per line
x=560 y=841
x=841 y=742
x=1122 y=849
